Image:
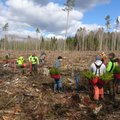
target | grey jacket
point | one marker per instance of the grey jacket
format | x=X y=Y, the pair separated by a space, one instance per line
x=57 y=64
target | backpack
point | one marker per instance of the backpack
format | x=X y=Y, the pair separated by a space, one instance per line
x=112 y=66
x=98 y=68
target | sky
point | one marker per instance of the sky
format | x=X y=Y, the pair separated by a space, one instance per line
x=24 y=16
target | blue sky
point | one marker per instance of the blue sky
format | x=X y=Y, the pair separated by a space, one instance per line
x=98 y=13
x=24 y=16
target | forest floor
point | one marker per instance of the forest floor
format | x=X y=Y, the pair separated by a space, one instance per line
x=25 y=97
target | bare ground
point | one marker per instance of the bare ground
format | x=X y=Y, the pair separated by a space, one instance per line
x=24 y=97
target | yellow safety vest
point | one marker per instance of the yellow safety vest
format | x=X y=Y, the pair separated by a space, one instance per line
x=34 y=59
x=20 y=61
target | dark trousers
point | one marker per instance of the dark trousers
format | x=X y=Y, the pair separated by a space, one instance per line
x=34 y=68
x=77 y=82
x=111 y=88
x=116 y=85
x=21 y=68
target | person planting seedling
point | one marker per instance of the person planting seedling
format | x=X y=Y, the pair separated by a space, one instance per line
x=98 y=68
x=55 y=74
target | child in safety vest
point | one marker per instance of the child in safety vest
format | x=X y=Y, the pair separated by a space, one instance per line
x=98 y=68
x=34 y=62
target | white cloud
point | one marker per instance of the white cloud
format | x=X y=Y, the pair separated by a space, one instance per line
x=117 y=25
x=41 y=2
x=119 y=18
x=23 y=15
x=80 y=4
x=87 y=4
x=91 y=27
x=24 y=34
x=56 y=36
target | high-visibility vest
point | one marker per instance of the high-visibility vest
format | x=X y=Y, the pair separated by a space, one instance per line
x=34 y=59
x=111 y=66
x=20 y=61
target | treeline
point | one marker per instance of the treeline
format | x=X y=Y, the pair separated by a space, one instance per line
x=82 y=41
x=94 y=41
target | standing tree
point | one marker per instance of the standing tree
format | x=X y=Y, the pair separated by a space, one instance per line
x=108 y=26
x=42 y=45
x=100 y=36
x=68 y=7
x=29 y=42
x=114 y=35
x=117 y=23
x=37 y=32
x=5 y=29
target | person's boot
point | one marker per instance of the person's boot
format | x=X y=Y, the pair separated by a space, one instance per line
x=55 y=86
x=60 y=90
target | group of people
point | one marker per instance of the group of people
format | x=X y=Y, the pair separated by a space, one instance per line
x=34 y=61
x=99 y=67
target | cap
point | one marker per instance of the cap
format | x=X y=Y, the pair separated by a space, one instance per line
x=98 y=58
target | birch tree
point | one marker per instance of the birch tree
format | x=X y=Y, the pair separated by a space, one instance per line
x=37 y=33
x=68 y=7
x=108 y=26
x=5 y=29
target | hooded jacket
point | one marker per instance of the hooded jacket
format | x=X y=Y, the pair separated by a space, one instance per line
x=98 y=68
